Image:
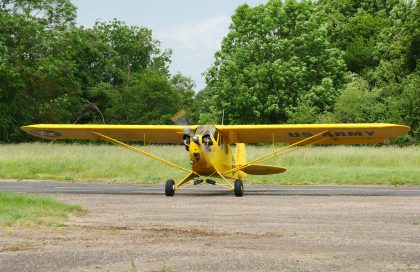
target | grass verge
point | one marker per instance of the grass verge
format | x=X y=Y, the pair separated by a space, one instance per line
x=388 y=165
x=18 y=209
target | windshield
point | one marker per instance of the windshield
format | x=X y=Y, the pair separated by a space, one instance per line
x=201 y=130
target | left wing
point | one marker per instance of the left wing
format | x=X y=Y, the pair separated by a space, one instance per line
x=331 y=133
x=168 y=134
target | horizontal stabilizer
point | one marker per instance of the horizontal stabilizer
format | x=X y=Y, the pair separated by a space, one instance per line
x=259 y=169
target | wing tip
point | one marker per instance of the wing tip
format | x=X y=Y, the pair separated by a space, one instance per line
x=402 y=129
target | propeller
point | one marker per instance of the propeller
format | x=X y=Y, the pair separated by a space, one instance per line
x=180 y=118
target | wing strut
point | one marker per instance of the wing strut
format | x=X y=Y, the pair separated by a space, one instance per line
x=139 y=151
x=282 y=151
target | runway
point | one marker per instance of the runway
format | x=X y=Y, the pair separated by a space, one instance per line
x=129 y=227
x=51 y=187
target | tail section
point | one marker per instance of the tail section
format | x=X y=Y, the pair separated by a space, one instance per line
x=253 y=169
x=240 y=155
x=240 y=158
x=259 y=169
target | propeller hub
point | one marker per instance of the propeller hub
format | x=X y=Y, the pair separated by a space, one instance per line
x=196 y=139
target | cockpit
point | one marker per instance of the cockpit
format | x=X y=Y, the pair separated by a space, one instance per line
x=204 y=135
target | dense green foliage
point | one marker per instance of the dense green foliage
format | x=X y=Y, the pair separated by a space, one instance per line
x=275 y=58
x=329 y=61
x=381 y=43
x=54 y=72
x=281 y=62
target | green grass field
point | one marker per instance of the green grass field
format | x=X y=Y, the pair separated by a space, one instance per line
x=314 y=165
x=17 y=209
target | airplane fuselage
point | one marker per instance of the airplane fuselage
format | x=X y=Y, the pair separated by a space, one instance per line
x=209 y=154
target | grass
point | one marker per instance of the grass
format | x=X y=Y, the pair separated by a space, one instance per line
x=314 y=165
x=18 y=209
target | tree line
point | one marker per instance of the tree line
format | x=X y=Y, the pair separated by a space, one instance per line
x=54 y=72
x=331 y=61
x=291 y=61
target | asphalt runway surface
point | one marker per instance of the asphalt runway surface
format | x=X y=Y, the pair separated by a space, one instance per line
x=127 y=227
x=50 y=187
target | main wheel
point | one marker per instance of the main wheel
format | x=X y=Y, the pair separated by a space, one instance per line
x=239 y=188
x=170 y=187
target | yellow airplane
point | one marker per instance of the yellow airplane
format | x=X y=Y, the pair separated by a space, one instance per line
x=218 y=151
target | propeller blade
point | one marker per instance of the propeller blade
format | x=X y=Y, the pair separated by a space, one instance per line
x=180 y=118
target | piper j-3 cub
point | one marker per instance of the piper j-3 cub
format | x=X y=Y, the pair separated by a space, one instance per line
x=219 y=151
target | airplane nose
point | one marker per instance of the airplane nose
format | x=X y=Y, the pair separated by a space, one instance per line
x=196 y=140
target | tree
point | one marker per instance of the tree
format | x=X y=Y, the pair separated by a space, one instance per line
x=380 y=40
x=34 y=68
x=366 y=30
x=409 y=103
x=393 y=103
x=108 y=57
x=358 y=104
x=112 y=51
x=149 y=98
x=184 y=90
x=54 y=14
x=274 y=56
x=54 y=72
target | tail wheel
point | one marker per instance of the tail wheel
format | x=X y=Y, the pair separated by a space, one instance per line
x=170 y=187
x=239 y=188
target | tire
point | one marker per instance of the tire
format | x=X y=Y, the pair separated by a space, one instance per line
x=239 y=188
x=170 y=187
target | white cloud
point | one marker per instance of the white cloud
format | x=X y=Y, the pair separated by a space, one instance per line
x=194 y=45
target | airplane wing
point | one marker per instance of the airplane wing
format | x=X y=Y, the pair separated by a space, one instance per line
x=168 y=134
x=333 y=133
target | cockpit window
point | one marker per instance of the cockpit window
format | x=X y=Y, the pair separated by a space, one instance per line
x=206 y=139
x=202 y=130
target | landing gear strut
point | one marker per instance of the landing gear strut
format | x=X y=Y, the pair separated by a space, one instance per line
x=239 y=188
x=170 y=187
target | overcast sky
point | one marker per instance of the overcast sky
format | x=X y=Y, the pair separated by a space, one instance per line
x=193 y=29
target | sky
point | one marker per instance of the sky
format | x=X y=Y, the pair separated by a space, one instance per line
x=193 y=29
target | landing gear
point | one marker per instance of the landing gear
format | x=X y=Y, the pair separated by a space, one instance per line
x=170 y=187
x=239 y=188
